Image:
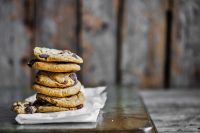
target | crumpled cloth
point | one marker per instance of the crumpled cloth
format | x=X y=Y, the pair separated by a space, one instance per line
x=95 y=100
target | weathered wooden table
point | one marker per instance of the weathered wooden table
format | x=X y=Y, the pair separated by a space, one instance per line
x=124 y=112
x=174 y=110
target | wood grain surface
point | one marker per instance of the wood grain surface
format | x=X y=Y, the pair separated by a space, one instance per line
x=185 y=47
x=56 y=24
x=13 y=46
x=121 y=41
x=123 y=112
x=98 y=41
x=174 y=111
x=143 y=43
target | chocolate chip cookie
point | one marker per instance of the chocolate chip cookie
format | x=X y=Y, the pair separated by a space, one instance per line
x=44 y=107
x=66 y=102
x=54 y=55
x=50 y=79
x=53 y=66
x=57 y=92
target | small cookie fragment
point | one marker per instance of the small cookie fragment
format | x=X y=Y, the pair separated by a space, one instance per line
x=23 y=108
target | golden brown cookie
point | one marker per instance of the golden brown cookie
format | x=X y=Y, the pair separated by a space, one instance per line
x=57 y=92
x=66 y=102
x=54 y=67
x=51 y=79
x=43 y=107
x=54 y=55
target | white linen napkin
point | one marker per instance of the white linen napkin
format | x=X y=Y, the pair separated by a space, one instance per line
x=95 y=100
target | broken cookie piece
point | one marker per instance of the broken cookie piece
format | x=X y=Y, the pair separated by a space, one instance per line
x=23 y=108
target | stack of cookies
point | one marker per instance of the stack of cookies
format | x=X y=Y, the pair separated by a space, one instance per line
x=56 y=83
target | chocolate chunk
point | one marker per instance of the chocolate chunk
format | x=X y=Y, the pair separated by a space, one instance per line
x=31 y=62
x=75 y=56
x=36 y=103
x=29 y=110
x=28 y=104
x=75 y=82
x=39 y=102
x=73 y=76
x=79 y=106
x=44 y=56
